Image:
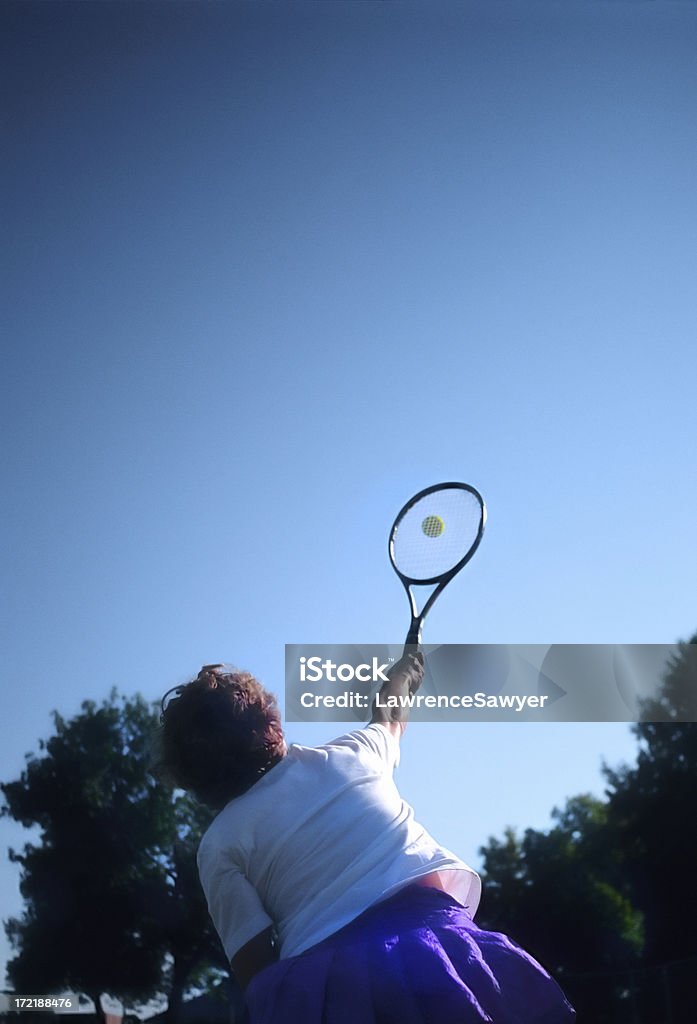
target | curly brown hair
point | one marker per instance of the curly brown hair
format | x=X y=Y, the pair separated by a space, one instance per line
x=220 y=733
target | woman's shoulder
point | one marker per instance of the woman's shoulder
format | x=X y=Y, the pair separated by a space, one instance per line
x=241 y=810
x=373 y=740
x=210 y=841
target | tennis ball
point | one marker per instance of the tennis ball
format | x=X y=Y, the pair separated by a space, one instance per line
x=433 y=526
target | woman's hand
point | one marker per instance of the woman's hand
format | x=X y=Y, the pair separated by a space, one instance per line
x=405 y=678
x=258 y=953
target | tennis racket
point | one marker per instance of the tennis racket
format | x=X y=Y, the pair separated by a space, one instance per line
x=432 y=538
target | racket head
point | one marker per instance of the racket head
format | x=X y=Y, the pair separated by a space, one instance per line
x=436 y=533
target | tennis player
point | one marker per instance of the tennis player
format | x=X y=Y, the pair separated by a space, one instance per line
x=333 y=905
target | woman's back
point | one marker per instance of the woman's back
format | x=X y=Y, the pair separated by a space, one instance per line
x=321 y=837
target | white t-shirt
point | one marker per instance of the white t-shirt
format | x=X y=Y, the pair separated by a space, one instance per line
x=315 y=842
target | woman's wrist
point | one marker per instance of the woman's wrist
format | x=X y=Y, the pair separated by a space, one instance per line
x=404 y=680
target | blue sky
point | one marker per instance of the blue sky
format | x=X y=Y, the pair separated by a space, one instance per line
x=273 y=268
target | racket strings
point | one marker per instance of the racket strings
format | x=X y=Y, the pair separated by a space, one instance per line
x=436 y=533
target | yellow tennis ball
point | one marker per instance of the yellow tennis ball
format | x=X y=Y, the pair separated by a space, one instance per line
x=433 y=526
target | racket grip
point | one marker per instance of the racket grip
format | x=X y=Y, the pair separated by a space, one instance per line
x=413 y=641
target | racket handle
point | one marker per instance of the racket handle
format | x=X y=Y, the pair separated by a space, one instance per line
x=413 y=641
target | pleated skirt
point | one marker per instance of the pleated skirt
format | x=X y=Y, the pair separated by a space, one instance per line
x=416 y=958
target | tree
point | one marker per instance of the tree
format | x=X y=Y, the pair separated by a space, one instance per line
x=113 y=904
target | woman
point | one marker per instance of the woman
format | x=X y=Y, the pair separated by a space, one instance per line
x=333 y=905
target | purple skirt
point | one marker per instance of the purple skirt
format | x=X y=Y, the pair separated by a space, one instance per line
x=416 y=958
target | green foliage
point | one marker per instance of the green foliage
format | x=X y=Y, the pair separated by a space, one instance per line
x=559 y=892
x=112 y=899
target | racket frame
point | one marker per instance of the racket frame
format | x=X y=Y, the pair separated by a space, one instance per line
x=442 y=580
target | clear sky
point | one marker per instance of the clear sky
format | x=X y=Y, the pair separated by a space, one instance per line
x=273 y=268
